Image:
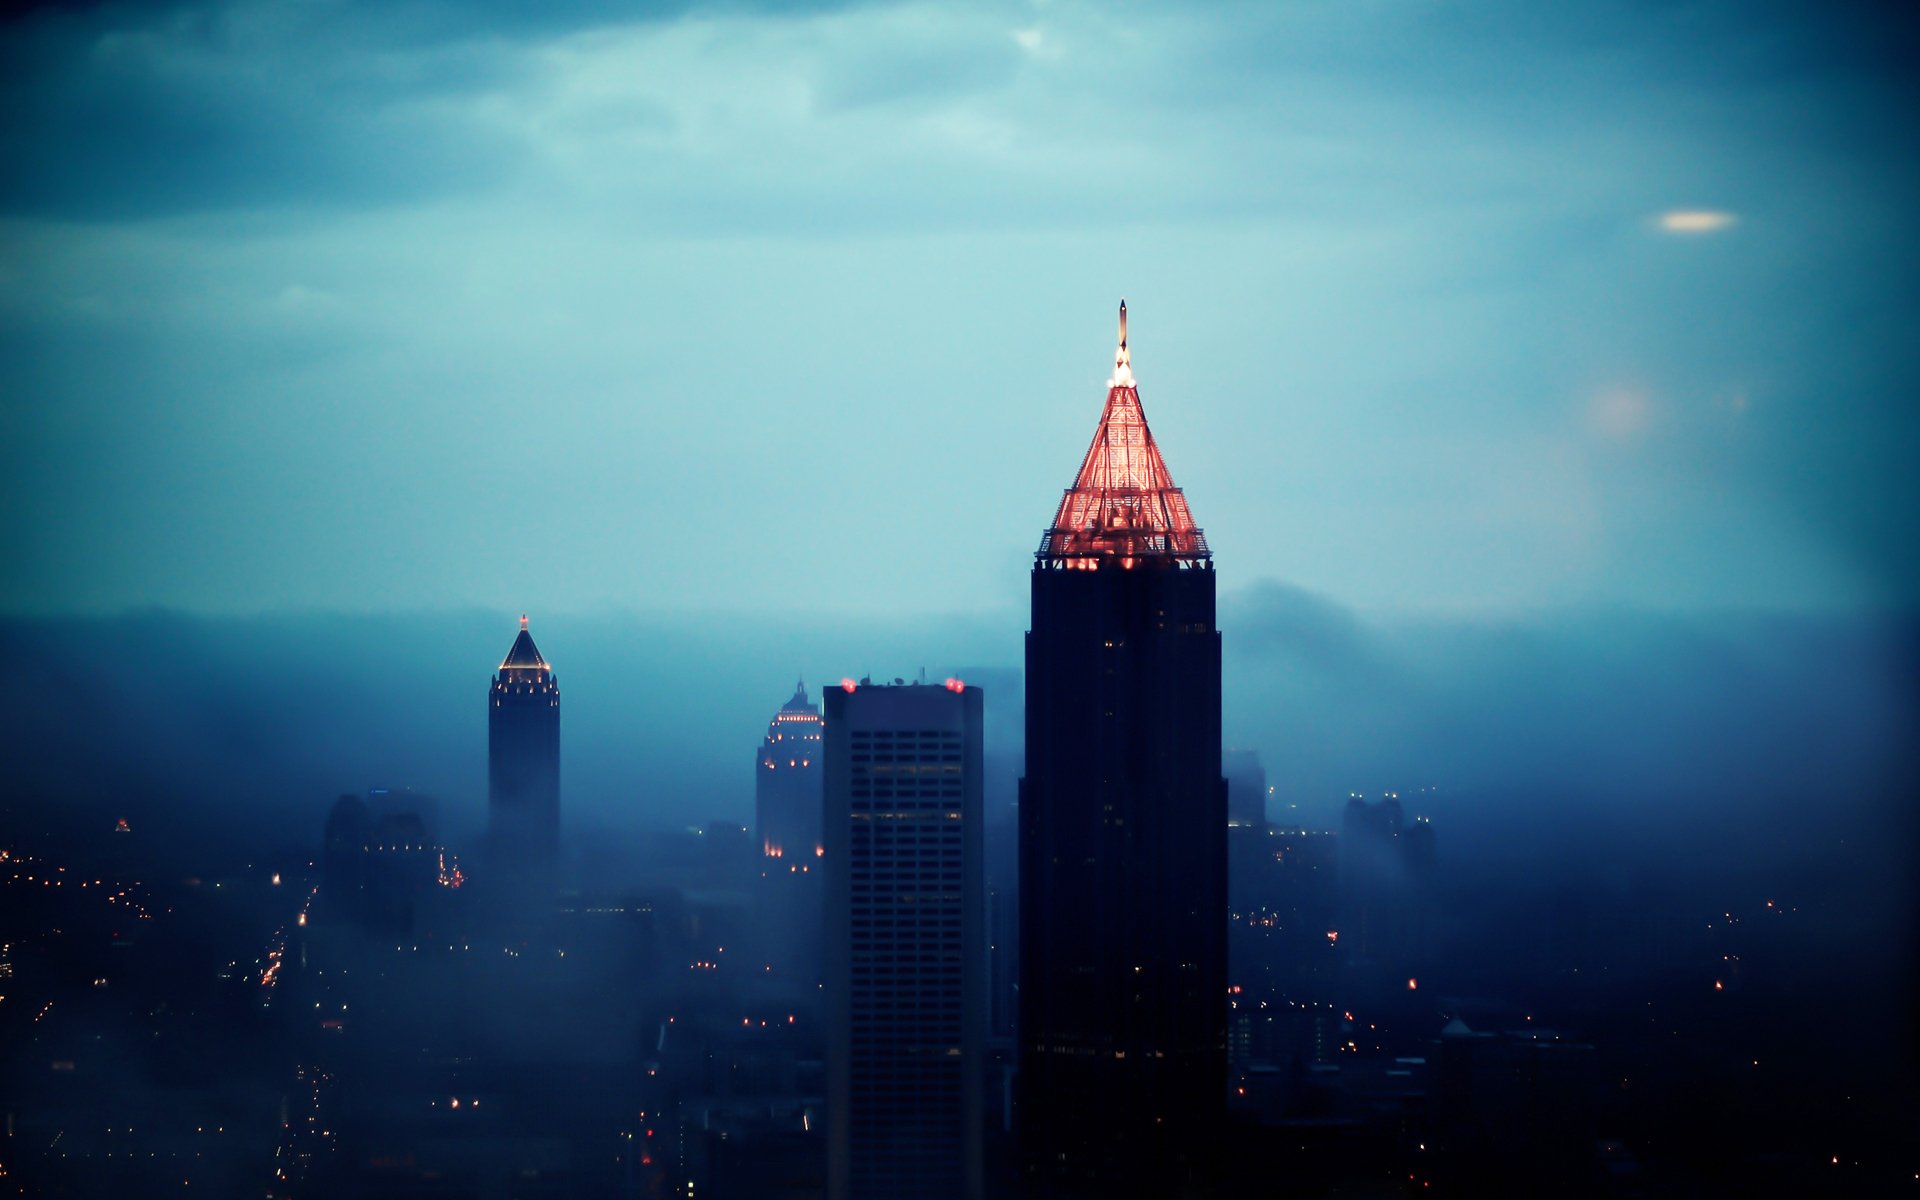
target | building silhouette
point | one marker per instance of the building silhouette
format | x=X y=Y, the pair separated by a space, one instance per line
x=523 y=766
x=1246 y=789
x=382 y=863
x=786 y=793
x=1386 y=867
x=1123 y=869
x=786 y=807
x=906 y=987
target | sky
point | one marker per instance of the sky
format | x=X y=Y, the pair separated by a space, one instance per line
x=1466 y=310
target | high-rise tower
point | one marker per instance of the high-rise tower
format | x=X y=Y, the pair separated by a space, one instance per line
x=787 y=799
x=1122 y=833
x=786 y=794
x=523 y=763
x=906 y=952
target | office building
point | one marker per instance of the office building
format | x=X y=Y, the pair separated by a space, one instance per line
x=523 y=765
x=786 y=793
x=786 y=805
x=1123 y=870
x=1246 y=789
x=906 y=991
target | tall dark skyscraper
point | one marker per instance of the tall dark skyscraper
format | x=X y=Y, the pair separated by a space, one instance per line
x=1123 y=816
x=786 y=805
x=906 y=943
x=523 y=762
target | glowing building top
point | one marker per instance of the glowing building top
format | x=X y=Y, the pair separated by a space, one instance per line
x=523 y=669
x=1123 y=507
x=787 y=794
x=797 y=721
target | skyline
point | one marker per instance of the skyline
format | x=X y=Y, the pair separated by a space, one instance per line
x=1528 y=810
x=349 y=311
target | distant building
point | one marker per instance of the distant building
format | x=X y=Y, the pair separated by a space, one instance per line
x=786 y=793
x=381 y=862
x=523 y=764
x=1386 y=864
x=906 y=991
x=1246 y=788
x=1123 y=824
x=1373 y=880
x=787 y=799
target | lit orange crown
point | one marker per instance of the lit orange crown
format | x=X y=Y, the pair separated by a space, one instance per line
x=1123 y=505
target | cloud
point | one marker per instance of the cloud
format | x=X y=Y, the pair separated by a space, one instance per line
x=694 y=259
x=1272 y=620
x=114 y=111
x=192 y=111
x=1683 y=720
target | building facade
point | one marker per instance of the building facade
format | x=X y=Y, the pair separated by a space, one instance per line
x=906 y=988
x=1123 y=819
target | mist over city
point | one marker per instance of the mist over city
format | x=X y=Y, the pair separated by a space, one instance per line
x=569 y=639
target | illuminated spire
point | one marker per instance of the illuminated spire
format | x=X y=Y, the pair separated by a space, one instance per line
x=524 y=656
x=1123 y=505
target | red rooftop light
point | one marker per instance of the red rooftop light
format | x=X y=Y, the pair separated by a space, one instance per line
x=848 y=685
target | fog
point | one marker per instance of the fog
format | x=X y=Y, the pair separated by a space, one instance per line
x=1608 y=792
x=1758 y=732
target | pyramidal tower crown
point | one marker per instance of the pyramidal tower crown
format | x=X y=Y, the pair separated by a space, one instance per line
x=523 y=663
x=1123 y=508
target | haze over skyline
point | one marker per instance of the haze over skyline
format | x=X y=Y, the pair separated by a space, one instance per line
x=807 y=310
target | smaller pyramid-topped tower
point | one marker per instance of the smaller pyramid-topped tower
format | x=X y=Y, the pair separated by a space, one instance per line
x=523 y=761
x=787 y=798
x=787 y=786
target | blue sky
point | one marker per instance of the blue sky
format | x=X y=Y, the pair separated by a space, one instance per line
x=354 y=306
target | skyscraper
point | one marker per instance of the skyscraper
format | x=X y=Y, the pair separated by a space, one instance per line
x=1246 y=789
x=1122 y=833
x=523 y=763
x=787 y=798
x=786 y=793
x=906 y=987
x=1386 y=864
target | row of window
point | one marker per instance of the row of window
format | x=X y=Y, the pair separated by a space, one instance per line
x=905 y=864
x=901 y=914
x=928 y=928
x=883 y=734
x=906 y=801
